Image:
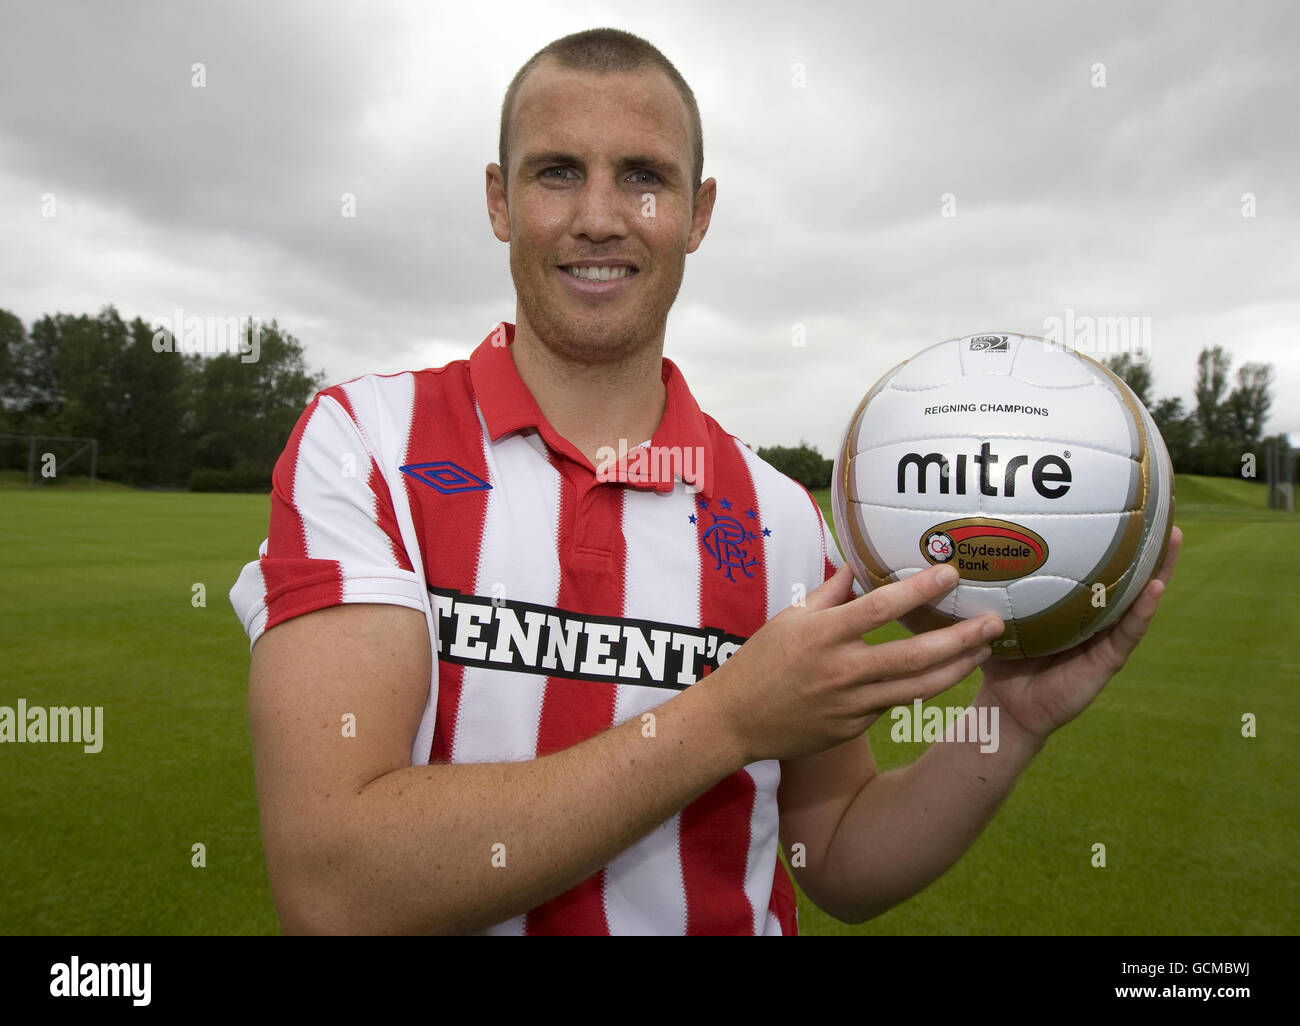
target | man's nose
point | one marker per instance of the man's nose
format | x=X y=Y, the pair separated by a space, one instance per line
x=602 y=209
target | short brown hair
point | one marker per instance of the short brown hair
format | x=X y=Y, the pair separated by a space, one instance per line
x=606 y=50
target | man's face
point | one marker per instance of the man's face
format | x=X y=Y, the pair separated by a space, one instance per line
x=600 y=175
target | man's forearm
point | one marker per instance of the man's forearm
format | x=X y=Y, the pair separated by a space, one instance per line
x=906 y=827
x=415 y=851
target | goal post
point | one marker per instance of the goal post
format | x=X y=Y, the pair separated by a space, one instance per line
x=50 y=457
x=1280 y=474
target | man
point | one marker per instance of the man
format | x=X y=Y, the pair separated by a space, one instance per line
x=515 y=674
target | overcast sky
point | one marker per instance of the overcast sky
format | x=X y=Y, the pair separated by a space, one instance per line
x=834 y=134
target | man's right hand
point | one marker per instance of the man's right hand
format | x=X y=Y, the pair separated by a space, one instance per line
x=806 y=680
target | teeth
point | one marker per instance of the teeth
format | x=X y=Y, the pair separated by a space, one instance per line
x=599 y=273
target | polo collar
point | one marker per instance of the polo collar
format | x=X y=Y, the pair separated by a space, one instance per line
x=508 y=405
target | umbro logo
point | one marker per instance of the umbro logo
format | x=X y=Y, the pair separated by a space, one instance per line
x=446 y=477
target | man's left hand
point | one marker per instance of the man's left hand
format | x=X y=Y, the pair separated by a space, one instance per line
x=1043 y=694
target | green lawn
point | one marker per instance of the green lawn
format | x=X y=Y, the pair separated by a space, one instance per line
x=97 y=610
x=1200 y=824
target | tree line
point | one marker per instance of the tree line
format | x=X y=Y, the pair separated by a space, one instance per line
x=1227 y=420
x=163 y=417
x=167 y=418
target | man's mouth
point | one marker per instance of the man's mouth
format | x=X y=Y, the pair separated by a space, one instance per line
x=598 y=273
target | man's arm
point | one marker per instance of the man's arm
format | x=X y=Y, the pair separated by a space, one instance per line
x=874 y=839
x=360 y=841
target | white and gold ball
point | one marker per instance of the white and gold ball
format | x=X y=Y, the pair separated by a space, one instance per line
x=1030 y=467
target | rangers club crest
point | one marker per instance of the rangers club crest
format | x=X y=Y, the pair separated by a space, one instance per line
x=731 y=538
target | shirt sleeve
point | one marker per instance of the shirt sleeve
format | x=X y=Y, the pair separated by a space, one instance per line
x=333 y=535
x=832 y=559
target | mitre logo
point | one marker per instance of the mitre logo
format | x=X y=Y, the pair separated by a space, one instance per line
x=1050 y=475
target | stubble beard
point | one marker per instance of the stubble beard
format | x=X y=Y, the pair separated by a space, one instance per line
x=594 y=336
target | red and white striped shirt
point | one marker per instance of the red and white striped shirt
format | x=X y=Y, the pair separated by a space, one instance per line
x=559 y=604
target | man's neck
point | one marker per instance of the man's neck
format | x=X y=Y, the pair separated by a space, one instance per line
x=594 y=405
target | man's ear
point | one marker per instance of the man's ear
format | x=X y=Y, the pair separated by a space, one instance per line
x=702 y=214
x=498 y=206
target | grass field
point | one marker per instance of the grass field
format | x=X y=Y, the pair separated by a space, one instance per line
x=1201 y=826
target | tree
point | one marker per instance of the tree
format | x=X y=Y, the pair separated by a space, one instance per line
x=1211 y=381
x=153 y=437
x=160 y=415
x=1135 y=373
x=244 y=412
x=802 y=463
x=1248 y=404
x=1217 y=452
x=1178 y=429
x=13 y=336
x=33 y=394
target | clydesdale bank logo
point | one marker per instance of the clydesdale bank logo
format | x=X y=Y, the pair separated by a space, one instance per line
x=504 y=634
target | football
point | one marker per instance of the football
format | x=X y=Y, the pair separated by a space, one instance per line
x=1028 y=466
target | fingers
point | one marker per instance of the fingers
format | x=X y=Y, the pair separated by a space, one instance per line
x=1134 y=623
x=924 y=652
x=1132 y=627
x=832 y=592
x=1123 y=638
x=1166 y=570
x=884 y=605
x=925 y=685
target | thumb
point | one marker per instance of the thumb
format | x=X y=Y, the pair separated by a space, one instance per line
x=835 y=591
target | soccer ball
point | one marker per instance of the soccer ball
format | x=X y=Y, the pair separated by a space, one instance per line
x=1031 y=468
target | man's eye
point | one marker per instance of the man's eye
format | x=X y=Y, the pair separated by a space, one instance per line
x=550 y=169
x=649 y=174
